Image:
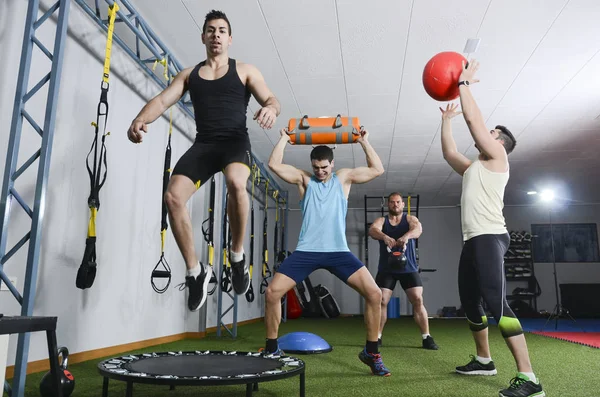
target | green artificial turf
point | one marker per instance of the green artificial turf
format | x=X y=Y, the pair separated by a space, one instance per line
x=565 y=369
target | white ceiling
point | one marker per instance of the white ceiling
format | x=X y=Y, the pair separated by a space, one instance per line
x=540 y=77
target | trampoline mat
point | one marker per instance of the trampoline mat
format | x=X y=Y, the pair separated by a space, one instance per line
x=203 y=365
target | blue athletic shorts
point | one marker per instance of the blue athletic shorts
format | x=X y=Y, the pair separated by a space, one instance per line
x=301 y=264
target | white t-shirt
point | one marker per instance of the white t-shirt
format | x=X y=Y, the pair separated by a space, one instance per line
x=482 y=201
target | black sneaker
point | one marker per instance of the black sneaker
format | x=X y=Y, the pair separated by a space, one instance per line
x=197 y=289
x=373 y=360
x=275 y=354
x=240 y=276
x=429 y=344
x=474 y=367
x=521 y=386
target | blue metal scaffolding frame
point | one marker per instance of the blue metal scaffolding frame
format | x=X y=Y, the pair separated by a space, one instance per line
x=145 y=39
x=222 y=312
x=11 y=173
x=145 y=36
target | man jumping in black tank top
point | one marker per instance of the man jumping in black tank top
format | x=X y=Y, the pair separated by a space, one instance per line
x=220 y=89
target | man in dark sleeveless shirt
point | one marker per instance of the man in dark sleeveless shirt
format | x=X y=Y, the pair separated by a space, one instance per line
x=396 y=232
x=322 y=243
x=220 y=89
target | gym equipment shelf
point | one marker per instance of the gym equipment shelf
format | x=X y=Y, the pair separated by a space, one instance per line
x=519 y=267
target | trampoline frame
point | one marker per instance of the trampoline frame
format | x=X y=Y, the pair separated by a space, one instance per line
x=251 y=381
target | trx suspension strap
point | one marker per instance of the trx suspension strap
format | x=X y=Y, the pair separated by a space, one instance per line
x=225 y=271
x=416 y=240
x=87 y=270
x=250 y=292
x=266 y=272
x=276 y=231
x=208 y=233
x=281 y=255
x=165 y=272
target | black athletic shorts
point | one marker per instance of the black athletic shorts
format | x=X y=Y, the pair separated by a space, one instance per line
x=203 y=160
x=407 y=280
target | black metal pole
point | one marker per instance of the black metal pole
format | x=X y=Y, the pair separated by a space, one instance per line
x=558 y=308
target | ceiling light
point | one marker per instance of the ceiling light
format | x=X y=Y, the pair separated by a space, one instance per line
x=547 y=195
x=531 y=192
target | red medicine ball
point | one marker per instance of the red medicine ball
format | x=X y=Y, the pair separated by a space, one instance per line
x=440 y=76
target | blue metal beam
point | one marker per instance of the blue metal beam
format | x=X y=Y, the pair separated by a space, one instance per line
x=152 y=44
x=11 y=173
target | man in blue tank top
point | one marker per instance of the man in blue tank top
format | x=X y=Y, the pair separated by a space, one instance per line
x=220 y=89
x=322 y=243
x=396 y=233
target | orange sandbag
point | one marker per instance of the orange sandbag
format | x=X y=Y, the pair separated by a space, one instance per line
x=324 y=130
x=294 y=309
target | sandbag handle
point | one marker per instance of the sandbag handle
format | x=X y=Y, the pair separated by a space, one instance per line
x=338 y=121
x=304 y=122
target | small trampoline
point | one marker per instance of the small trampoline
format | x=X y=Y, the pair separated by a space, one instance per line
x=208 y=368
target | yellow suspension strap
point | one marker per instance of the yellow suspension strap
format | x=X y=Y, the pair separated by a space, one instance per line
x=165 y=272
x=250 y=292
x=225 y=269
x=408 y=204
x=266 y=272
x=208 y=232
x=87 y=270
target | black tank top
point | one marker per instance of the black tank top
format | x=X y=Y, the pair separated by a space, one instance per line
x=396 y=232
x=219 y=105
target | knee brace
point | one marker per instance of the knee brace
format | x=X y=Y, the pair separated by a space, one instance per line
x=477 y=326
x=476 y=317
x=509 y=326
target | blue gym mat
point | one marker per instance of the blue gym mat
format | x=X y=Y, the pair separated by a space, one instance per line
x=564 y=325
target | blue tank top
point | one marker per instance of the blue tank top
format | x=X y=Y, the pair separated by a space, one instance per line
x=324 y=209
x=396 y=232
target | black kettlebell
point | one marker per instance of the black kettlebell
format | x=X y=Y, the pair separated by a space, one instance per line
x=67 y=381
x=396 y=259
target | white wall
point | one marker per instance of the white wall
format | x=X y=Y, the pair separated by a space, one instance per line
x=440 y=247
x=121 y=306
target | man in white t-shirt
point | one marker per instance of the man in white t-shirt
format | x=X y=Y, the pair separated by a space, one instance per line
x=481 y=267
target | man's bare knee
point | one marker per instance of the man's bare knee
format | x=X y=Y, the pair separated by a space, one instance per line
x=174 y=201
x=417 y=301
x=385 y=297
x=373 y=295
x=237 y=185
x=273 y=296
